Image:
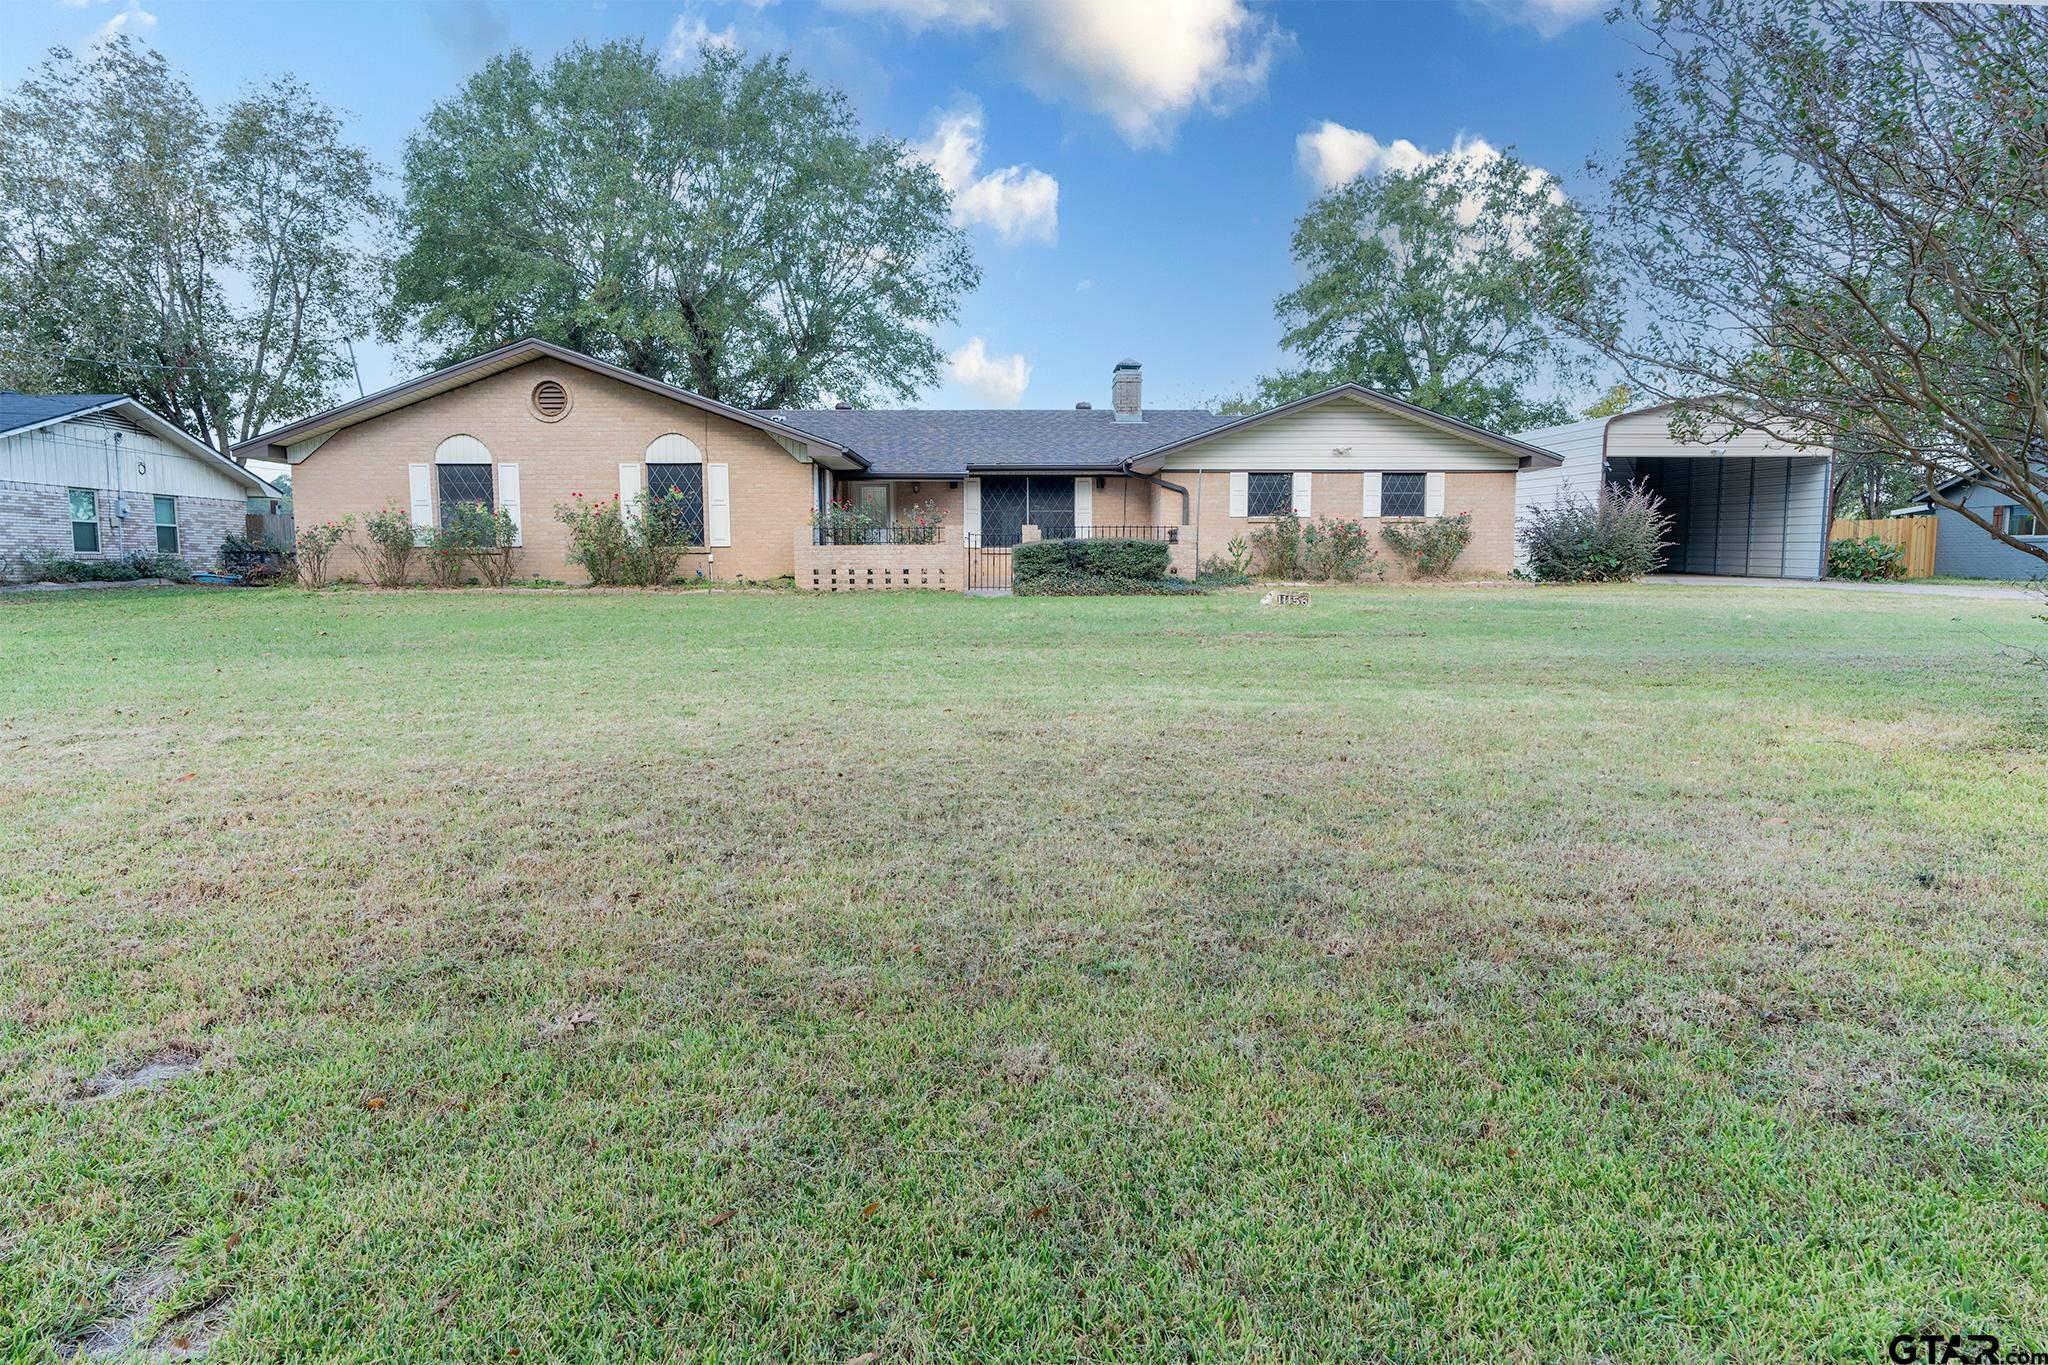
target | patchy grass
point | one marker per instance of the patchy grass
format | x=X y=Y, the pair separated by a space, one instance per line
x=1636 y=974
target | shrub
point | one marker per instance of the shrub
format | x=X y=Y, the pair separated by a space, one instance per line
x=47 y=566
x=616 y=549
x=316 y=550
x=447 y=554
x=1575 y=540
x=387 y=547
x=921 y=525
x=842 y=522
x=1217 y=571
x=487 y=534
x=1869 y=560
x=1338 y=551
x=1082 y=568
x=1135 y=560
x=1276 y=546
x=1432 y=545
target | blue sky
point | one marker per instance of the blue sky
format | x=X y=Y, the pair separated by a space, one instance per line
x=1131 y=171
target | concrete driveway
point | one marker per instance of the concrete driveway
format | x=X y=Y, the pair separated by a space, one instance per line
x=1989 y=592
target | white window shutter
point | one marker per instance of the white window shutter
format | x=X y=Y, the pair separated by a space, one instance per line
x=1301 y=483
x=970 y=507
x=1084 y=506
x=717 y=504
x=1240 y=494
x=421 y=479
x=508 y=499
x=629 y=489
x=1432 y=495
x=1371 y=508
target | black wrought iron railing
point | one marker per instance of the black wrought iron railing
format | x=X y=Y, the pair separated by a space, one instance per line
x=987 y=539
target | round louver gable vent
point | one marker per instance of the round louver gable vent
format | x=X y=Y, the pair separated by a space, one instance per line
x=550 y=400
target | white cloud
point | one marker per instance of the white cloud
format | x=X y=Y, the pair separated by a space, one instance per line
x=999 y=379
x=134 y=21
x=689 y=35
x=1082 y=286
x=1021 y=203
x=1334 y=155
x=1145 y=65
x=1548 y=17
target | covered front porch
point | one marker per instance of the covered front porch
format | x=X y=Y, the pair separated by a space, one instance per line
x=994 y=509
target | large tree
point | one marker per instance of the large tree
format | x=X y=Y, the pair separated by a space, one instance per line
x=212 y=266
x=724 y=228
x=1415 y=283
x=1831 y=222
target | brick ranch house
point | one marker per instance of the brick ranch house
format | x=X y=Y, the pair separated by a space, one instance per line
x=100 y=476
x=530 y=425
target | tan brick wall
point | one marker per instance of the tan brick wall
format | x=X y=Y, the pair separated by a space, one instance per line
x=938 y=567
x=363 y=468
x=1488 y=495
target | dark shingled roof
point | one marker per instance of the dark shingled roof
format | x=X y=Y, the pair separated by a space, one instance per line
x=18 y=410
x=939 y=443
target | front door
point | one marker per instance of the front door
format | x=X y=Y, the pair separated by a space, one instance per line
x=874 y=502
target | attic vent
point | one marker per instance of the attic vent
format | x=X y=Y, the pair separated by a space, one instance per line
x=550 y=400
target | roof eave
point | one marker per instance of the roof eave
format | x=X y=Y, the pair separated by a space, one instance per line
x=272 y=445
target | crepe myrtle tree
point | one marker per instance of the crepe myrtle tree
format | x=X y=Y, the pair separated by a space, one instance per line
x=726 y=228
x=1831 y=223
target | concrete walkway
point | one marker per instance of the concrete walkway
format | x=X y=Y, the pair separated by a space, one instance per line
x=1989 y=592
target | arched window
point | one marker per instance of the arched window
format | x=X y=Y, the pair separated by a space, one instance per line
x=675 y=486
x=462 y=468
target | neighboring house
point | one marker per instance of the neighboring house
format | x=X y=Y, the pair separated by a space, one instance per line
x=100 y=476
x=530 y=426
x=1963 y=549
x=1742 y=504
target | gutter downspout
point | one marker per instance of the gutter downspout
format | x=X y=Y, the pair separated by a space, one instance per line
x=1173 y=487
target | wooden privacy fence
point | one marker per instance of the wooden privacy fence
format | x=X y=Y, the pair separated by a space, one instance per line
x=1914 y=535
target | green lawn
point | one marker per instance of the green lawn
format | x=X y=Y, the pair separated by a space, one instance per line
x=1642 y=974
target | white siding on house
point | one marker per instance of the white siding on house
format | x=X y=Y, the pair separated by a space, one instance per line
x=1339 y=435
x=84 y=454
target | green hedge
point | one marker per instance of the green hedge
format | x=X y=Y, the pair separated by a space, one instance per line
x=1131 y=561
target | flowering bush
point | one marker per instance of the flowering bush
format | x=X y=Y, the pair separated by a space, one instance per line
x=842 y=522
x=1432 y=545
x=483 y=536
x=316 y=546
x=617 y=547
x=1338 y=551
x=388 y=546
x=923 y=527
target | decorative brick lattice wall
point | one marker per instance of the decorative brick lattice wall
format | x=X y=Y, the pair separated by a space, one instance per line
x=940 y=567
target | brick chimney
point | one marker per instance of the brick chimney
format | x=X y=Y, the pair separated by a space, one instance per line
x=1126 y=389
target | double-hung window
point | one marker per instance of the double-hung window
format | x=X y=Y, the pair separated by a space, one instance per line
x=85 y=521
x=1402 y=495
x=166 y=526
x=463 y=485
x=1268 y=495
